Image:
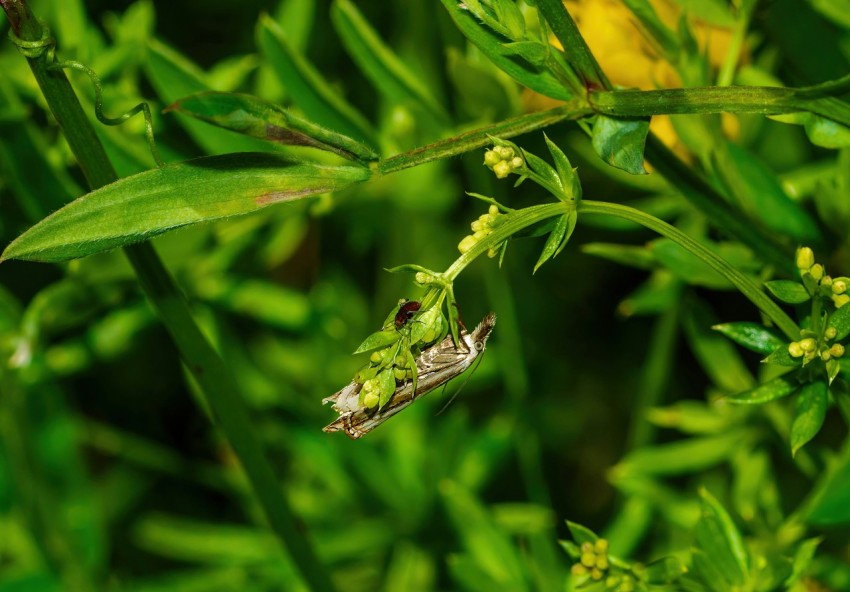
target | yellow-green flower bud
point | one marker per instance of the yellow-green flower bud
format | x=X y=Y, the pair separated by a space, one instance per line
x=839 y=287
x=369 y=385
x=830 y=333
x=805 y=258
x=491 y=158
x=399 y=373
x=502 y=169
x=826 y=281
x=485 y=219
x=477 y=225
x=816 y=271
x=492 y=252
x=808 y=344
x=370 y=400
x=578 y=569
x=479 y=235
x=837 y=350
x=587 y=547
x=517 y=162
x=795 y=350
x=429 y=336
x=602 y=562
x=595 y=574
x=423 y=278
x=840 y=300
x=825 y=355
x=493 y=210
x=467 y=243
x=376 y=357
x=601 y=545
x=588 y=559
x=504 y=152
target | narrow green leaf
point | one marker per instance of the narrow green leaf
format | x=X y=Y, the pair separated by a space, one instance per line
x=718 y=536
x=681 y=457
x=581 y=534
x=553 y=243
x=840 y=320
x=153 y=202
x=620 y=142
x=576 y=49
x=569 y=179
x=753 y=336
x=491 y=44
x=378 y=340
x=788 y=291
x=386 y=71
x=533 y=52
x=308 y=90
x=549 y=175
x=830 y=505
x=764 y=393
x=781 y=357
x=572 y=219
x=629 y=255
x=759 y=193
x=803 y=559
x=809 y=413
x=386 y=382
x=255 y=117
x=686 y=265
x=664 y=571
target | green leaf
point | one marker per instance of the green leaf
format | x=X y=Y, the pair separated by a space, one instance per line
x=581 y=534
x=788 y=291
x=717 y=535
x=664 y=571
x=781 y=357
x=686 y=265
x=759 y=194
x=764 y=393
x=809 y=413
x=553 y=243
x=255 y=117
x=569 y=179
x=491 y=44
x=803 y=559
x=386 y=382
x=840 y=321
x=319 y=101
x=576 y=49
x=620 y=142
x=830 y=507
x=681 y=457
x=378 y=340
x=628 y=255
x=150 y=203
x=752 y=336
x=386 y=71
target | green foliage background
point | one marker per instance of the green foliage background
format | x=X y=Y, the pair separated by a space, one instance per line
x=598 y=399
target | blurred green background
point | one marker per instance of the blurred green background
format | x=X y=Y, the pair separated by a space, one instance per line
x=111 y=474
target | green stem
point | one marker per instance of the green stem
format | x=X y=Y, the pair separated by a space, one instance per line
x=478 y=138
x=677 y=101
x=215 y=379
x=744 y=284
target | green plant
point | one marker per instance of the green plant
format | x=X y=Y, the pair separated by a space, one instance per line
x=735 y=518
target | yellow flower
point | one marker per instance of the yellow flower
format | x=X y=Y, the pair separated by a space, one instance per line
x=631 y=60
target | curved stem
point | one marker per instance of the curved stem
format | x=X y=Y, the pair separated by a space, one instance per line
x=743 y=283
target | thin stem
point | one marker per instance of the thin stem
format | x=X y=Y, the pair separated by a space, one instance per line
x=478 y=138
x=744 y=284
x=215 y=379
x=676 y=101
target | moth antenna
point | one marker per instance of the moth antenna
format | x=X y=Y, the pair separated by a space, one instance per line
x=463 y=384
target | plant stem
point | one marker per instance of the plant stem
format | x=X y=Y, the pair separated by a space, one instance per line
x=744 y=284
x=215 y=379
x=677 y=101
x=480 y=137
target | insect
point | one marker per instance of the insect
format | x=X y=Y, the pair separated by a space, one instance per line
x=406 y=312
x=435 y=366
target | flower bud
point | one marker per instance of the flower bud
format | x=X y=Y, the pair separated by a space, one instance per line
x=477 y=225
x=808 y=344
x=795 y=350
x=601 y=545
x=376 y=357
x=491 y=158
x=805 y=258
x=479 y=235
x=517 y=162
x=399 y=373
x=370 y=400
x=467 y=243
x=493 y=210
x=830 y=333
x=595 y=574
x=825 y=355
x=840 y=300
x=839 y=287
x=502 y=169
x=423 y=278
x=492 y=252
x=588 y=559
x=504 y=152
x=837 y=350
x=816 y=271
x=578 y=569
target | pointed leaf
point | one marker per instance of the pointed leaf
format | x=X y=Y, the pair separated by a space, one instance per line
x=764 y=393
x=581 y=534
x=386 y=382
x=753 y=336
x=781 y=357
x=569 y=179
x=553 y=243
x=378 y=340
x=788 y=291
x=620 y=142
x=809 y=414
x=258 y=118
x=718 y=536
x=150 y=203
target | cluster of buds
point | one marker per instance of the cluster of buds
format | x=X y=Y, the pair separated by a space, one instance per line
x=370 y=394
x=814 y=276
x=808 y=348
x=593 y=560
x=481 y=228
x=503 y=160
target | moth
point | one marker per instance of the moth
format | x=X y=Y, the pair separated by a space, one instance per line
x=436 y=365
